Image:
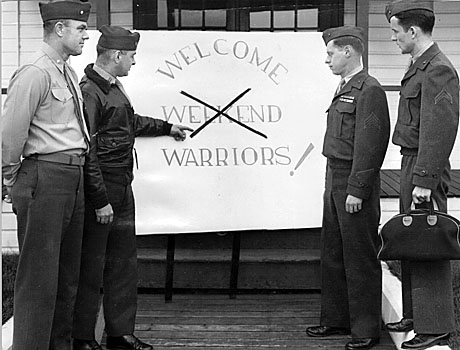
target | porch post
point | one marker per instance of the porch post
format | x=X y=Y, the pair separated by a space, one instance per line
x=362 y=20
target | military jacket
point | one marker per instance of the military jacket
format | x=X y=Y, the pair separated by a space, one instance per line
x=358 y=131
x=113 y=126
x=428 y=115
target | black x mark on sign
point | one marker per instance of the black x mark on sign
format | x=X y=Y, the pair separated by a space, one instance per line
x=221 y=112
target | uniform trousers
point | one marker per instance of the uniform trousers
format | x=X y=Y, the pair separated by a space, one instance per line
x=109 y=259
x=48 y=199
x=426 y=286
x=351 y=276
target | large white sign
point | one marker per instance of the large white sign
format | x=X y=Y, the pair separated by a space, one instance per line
x=258 y=163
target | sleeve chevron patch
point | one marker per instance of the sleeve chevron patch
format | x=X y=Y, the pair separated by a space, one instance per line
x=372 y=122
x=444 y=94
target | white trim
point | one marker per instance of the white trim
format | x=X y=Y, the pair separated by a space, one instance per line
x=392 y=307
x=7 y=334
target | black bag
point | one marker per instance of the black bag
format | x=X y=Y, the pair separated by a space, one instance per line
x=420 y=234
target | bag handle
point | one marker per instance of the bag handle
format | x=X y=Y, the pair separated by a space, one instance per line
x=432 y=207
x=431 y=218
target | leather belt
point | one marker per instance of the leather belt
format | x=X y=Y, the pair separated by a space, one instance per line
x=60 y=158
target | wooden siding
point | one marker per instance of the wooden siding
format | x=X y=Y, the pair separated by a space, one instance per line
x=121 y=13
x=9 y=30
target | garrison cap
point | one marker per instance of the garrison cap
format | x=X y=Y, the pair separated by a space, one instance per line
x=337 y=32
x=398 y=6
x=76 y=10
x=118 y=38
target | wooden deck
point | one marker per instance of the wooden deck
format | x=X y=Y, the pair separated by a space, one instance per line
x=389 y=183
x=215 y=322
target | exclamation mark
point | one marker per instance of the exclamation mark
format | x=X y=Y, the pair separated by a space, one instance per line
x=304 y=155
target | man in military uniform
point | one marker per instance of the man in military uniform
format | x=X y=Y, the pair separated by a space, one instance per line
x=44 y=143
x=109 y=254
x=355 y=144
x=425 y=130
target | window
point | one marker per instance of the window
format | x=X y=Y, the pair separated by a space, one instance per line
x=238 y=15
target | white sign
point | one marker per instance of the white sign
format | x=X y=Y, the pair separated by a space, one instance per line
x=257 y=165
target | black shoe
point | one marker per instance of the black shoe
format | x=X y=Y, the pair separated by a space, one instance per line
x=324 y=331
x=425 y=341
x=81 y=344
x=362 y=343
x=405 y=325
x=127 y=342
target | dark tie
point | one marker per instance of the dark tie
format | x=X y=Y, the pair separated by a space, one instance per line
x=76 y=104
x=340 y=87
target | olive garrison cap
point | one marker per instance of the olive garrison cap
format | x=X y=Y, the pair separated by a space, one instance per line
x=76 y=10
x=337 y=32
x=118 y=38
x=398 y=6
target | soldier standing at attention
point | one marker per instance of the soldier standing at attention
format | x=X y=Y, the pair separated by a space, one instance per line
x=355 y=144
x=44 y=144
x=426 y=128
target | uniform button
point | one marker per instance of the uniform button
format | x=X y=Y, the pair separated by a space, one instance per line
x=424 y=172
x=114 y=143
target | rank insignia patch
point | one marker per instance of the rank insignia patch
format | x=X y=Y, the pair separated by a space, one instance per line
x=444 y=94
x=372 y=122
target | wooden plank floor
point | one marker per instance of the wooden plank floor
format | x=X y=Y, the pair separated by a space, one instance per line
x=215 y=322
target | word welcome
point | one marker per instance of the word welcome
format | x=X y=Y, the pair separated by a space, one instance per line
x=240 y=50
x=223 y=157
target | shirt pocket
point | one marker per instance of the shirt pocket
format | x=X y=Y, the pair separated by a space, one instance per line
x=409 y=107
x=63 y=107
x=345 y=120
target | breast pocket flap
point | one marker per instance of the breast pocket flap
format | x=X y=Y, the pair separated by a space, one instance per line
x=62 y=95
x=346 y=107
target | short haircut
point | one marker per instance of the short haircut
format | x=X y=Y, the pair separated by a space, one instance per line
x=103 y=54
x=353 y=41
x=423 y=19
x=48 y=26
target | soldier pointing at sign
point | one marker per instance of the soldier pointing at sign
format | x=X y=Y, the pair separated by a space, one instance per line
x=355 y=143
x=109 y=255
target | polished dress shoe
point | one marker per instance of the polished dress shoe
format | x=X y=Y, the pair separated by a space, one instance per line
x=324 y=331
x=362 y=343
x=405 y=325
x=127 y=342
x=81 y=344
x=425 y=341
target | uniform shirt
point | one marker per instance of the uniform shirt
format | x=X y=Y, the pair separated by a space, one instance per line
x=428 y=115
x=39 y=113
x=358 y=131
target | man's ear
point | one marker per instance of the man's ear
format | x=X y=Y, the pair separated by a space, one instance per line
x=116 y=56
x=347 y=50
x=59 y=29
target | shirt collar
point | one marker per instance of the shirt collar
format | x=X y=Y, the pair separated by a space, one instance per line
x=107 y=76
x=421 y=52
x=54 y=56
x=353 y=73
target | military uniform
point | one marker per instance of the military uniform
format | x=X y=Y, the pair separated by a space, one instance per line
x=43 y=148
x=427 y=125
x=109 y=252
x=355 y=144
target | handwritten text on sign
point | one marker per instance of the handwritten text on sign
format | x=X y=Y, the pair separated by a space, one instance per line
x=257 y=103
